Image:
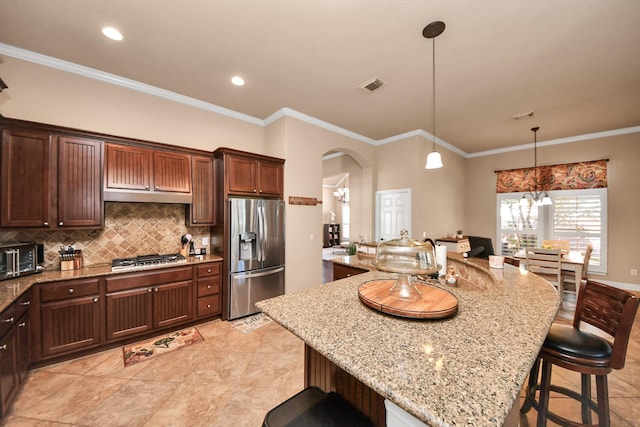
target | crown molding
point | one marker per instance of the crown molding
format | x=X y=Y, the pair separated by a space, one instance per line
x=114 y=79
x=81 y=70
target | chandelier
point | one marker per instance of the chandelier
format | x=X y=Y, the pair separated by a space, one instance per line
x=342 y=194
x=431 y=31
x=537 y=196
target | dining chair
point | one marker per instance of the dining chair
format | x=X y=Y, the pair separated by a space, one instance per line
x=546 y=263
x=569 y=277
x=611 y=311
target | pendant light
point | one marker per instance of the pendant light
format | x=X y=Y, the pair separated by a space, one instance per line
x=539 y=197
x=431 y=31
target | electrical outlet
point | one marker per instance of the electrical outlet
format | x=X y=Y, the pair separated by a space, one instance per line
x=634 y=271
x=312 y=237
x=205 y=241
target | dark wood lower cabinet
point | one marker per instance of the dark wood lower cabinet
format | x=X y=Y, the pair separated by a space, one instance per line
x=70 y=316
x=70 y=325
x=341 y=271
x=140 y=302
x=321 y=372
x=129 y=313
x=9 y=381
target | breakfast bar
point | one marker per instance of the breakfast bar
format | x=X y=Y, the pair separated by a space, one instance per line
x=466 y=369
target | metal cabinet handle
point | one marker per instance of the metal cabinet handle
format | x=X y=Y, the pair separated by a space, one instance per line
x=156 y=289
x=261 y=190
x=25 y=303
x=195 y=220
x=95 y=299
x=255 y=191
x=22 y=325
x=9 y=320
x=156 y=188
x=61 y=223
x=208 y=286
x=3 y=347
x=208 y=270
x=208 y=305
x=146 y=187
x=70 y=290
x=46 y=223
x=150 y=290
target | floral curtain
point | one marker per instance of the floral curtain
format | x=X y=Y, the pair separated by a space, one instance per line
x=569 y=176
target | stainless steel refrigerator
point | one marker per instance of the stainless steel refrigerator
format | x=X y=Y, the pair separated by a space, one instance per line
x=256 y=261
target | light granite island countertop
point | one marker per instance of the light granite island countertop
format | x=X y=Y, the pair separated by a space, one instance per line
x=466 y=370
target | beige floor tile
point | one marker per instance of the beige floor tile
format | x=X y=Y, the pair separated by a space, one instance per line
x=131 y=405
x=69 y=403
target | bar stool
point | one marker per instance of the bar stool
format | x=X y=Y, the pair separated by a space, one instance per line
x=313 y=407
x=612 y=311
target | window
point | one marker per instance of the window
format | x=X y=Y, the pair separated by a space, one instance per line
x=579 y=216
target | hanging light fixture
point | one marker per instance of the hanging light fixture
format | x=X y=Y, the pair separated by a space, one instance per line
x=537 y=196
x=431 y=31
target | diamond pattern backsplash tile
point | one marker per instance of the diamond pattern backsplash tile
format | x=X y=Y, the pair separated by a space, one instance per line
x=130 y=229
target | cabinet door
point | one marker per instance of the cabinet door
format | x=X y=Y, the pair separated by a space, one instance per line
x=79 y=182
x=129 y=312
x=201 y=211
x=8 y=375
x=270 y=176
x=171 y=172
x=172 y=304
x=127 y=168
x=26 y=179
x=69 y=325
x=342 y=271
x=242 y=175
x=23 y=344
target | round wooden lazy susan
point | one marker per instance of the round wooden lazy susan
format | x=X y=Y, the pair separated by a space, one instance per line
x=436 y=303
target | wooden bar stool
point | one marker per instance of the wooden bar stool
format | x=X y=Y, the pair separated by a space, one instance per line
x=612 y=311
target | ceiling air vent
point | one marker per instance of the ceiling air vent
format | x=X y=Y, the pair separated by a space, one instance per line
x=371 y=85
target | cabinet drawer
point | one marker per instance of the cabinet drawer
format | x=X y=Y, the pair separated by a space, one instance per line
x=208 y=286
x=342 y=271
x=209 y=305
x=209 y=269
x=23 y=304
x=68 y=289
x=148 y=278
x=8 y=318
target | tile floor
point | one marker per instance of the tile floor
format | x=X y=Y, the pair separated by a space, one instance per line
x=232 y=379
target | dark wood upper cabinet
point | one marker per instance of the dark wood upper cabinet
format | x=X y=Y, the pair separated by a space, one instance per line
x=127 y=168
x=251 y=174
x=49 y=185
x=171 y=172
x=80 y=182
x=138 y=174
x=26 y=178
x=202 y=209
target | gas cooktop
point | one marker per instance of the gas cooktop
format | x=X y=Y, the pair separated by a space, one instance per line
x=146 y=261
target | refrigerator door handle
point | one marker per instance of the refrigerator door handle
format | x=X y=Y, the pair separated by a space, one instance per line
x=258 y=274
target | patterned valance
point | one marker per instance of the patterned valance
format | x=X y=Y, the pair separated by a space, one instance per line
x=569 y=176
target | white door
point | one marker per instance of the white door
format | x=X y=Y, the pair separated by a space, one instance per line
x=393 y=213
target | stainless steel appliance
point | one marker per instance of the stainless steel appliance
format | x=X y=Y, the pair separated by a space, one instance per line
x=256 y=260
x=143 y=262
x=19 y=259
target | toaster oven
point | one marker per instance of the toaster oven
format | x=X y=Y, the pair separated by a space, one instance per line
x=19 y=259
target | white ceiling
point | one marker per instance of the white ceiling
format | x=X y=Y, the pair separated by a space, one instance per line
x=575 y=63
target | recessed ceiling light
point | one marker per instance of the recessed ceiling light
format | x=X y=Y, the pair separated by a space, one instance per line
x=237 y=80
x=112 y=33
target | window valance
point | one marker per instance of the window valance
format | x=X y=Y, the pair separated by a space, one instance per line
x=568 y=176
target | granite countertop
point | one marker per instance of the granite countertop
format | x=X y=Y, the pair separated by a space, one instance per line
x=10 y=290
x=464 y=370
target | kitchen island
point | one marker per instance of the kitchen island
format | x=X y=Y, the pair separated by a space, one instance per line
x=464 y=370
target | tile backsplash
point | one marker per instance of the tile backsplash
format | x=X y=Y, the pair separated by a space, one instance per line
x=130 y=229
